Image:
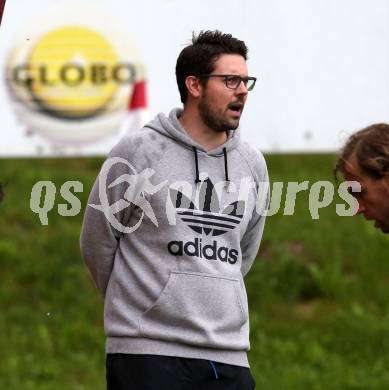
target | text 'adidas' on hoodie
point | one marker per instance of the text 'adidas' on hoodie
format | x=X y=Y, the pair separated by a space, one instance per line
x=169 y=232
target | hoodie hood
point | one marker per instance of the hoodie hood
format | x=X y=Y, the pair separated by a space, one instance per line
x=171 y=127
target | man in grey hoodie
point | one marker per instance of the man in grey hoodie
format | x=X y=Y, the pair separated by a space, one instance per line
x=173 y=224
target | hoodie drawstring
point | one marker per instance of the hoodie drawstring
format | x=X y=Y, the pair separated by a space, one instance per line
x=197 y=180
x=225 y=165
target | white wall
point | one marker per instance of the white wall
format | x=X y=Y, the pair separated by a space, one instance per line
x=323 y=65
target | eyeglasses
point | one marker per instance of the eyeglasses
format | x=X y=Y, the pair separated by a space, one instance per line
x=233 y=81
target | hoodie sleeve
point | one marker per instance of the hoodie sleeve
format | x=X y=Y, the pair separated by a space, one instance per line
x=99 y=240
x=252 y=238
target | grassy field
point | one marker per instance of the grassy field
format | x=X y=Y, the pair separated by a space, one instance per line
x=318 y=292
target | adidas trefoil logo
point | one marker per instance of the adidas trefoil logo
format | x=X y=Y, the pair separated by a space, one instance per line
x=207 y=217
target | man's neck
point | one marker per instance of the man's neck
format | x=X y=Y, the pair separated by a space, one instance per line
x=197 y=130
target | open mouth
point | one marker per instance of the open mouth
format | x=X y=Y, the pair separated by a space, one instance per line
x=236 y=107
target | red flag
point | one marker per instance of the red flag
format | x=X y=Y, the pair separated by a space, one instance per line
x=138 y=98
x=2 y=4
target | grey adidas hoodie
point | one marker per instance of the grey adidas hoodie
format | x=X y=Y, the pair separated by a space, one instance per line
x=169 y=232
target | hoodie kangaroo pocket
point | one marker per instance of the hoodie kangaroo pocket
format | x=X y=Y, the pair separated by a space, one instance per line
x=198 y=309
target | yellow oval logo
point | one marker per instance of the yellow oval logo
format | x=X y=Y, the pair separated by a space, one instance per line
x=73 y=73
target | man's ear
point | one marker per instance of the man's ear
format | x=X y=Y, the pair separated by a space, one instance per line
x=194 y=86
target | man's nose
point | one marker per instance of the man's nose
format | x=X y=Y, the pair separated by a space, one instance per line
x=242 y=89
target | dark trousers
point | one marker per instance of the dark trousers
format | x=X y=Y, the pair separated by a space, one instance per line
x=153 y=372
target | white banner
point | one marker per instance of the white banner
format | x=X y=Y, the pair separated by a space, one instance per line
x=76 y=75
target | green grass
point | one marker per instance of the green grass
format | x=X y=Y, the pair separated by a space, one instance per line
x=318 y=292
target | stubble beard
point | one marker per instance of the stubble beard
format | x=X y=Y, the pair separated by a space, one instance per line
x=211 y=119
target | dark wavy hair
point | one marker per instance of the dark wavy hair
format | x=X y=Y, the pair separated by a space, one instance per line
x=371 y=148
x=200 y=56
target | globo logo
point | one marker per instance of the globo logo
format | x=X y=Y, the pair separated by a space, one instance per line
x=72 y=82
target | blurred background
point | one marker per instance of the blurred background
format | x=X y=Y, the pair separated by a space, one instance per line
x=76 y=76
